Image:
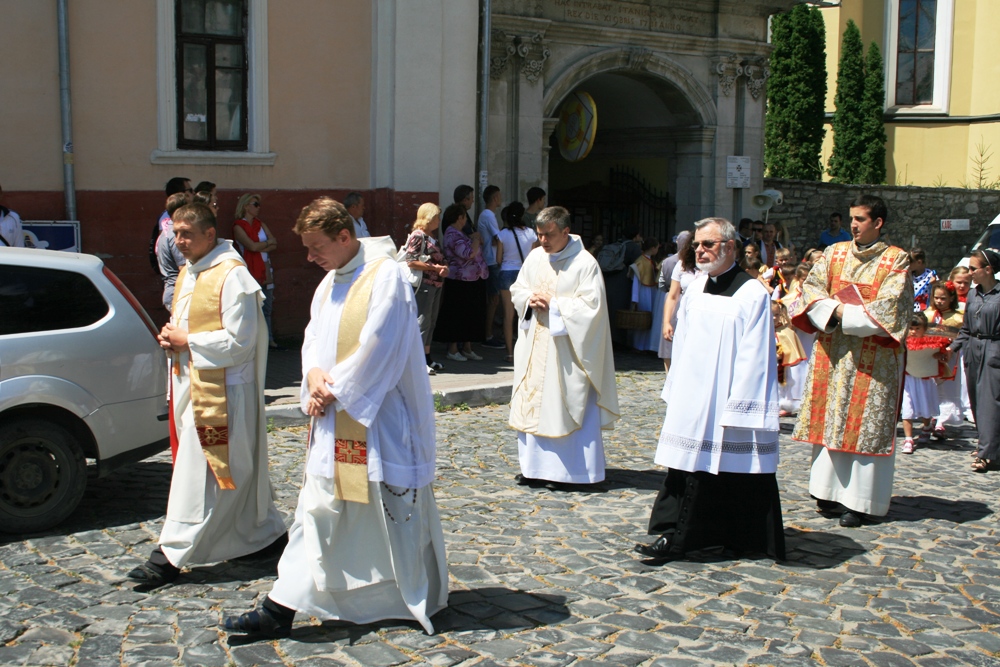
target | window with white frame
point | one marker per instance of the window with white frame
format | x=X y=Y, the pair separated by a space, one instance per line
x=212 y=82
x=211 y=38
x=918 y=55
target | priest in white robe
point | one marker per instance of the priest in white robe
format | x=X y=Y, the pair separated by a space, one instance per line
x=221 y=503
x=564 y=390
x=367 y=543
x=719 y=439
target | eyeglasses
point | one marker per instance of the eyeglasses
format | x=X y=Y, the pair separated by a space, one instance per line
x=707 y=245
x=189 y=191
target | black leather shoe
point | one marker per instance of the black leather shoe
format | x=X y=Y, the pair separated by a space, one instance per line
x=661 y=548
x=151 y=576
x=828 y=505
x=528 y=481
x=259 y=623
x=850 y=519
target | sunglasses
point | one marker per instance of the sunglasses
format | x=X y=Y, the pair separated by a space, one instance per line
x=707 y=245
x=254 y=203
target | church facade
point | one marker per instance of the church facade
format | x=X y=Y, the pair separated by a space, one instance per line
x=678 y=86
x=380 y=97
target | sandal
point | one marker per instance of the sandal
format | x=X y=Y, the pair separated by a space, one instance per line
x=984 y=465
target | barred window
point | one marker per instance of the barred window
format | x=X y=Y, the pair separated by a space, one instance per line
x=211 y=51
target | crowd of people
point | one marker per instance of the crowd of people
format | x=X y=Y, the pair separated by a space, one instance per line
x=833 y=340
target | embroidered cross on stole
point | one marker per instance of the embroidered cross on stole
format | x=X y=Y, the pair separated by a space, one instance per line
x=208 y=386
x=350 y=476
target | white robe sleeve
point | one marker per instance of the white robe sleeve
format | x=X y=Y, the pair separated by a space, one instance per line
x=556 y=325
x=520 y=290
x=821 y=312
x=236 y=342
x=309 y=357
x=361 y=381
x=753 y=393
x=857 y=323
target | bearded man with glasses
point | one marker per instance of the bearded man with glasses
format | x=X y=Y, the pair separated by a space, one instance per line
x=720 y=434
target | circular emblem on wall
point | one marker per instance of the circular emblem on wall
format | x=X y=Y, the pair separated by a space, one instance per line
x=577 y=126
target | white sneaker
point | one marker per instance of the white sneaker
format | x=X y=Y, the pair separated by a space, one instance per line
x=472 y=355
x=431 y=371
x=908 y=446
x=456 y=356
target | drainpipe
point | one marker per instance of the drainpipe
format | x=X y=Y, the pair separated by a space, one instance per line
x=66 y=111
x=484 y=92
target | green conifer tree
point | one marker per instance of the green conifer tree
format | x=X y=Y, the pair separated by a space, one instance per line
x=796 y=90
x=872 y=107
x=848 y=122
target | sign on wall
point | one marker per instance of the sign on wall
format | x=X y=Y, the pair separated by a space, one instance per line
x=52 y=234
x=955 y=225
x=738 y=171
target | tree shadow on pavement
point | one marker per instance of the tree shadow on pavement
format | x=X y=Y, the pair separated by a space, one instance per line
x=918 y=508
x=479 y=610
x=135 y=494
x=818 y=550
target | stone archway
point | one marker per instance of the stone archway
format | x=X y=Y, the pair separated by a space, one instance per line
x=629 y=59
x=654 y=118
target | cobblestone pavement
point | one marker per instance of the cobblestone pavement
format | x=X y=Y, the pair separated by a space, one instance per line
x=543 y=577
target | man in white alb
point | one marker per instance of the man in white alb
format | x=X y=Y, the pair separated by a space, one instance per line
x=367 y=543
x=719 y=439
x=564 y=389
x=220 y=505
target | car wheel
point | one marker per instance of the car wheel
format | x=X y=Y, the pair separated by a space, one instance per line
x=42 y=475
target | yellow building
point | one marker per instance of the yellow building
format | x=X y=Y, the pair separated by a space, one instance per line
x=942 y=99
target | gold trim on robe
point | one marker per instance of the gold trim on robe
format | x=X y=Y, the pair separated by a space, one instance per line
x=208 y=386
x=350 y=476
x=852 y=388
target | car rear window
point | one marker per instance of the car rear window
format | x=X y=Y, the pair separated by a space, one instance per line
x=36 y=299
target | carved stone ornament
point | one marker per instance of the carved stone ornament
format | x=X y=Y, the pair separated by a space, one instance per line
x=727 y=69
x=638 y=58
x=530 y=50
x=757 y=73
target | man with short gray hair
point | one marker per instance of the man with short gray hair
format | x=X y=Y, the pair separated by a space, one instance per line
x=355 y=205
x=564 y=389
x=719 y=439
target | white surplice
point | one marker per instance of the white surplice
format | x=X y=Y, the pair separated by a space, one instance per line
x=790 y=393
x=722 y=391
x=385 y=559
x=564 y=388
x=206 y=524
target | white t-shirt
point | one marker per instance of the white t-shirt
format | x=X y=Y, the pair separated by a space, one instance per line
x=511 y=258
x=685 y=277
x=10 y=229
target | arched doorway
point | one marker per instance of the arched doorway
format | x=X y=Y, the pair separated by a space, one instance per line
x=647 y=165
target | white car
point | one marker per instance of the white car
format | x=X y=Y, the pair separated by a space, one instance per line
x=82 y=383
x=989 y=239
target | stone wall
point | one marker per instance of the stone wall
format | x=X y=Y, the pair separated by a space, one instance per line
x=915 y=215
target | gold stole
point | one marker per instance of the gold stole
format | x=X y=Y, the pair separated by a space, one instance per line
x=350 y=476
x=208 y=386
